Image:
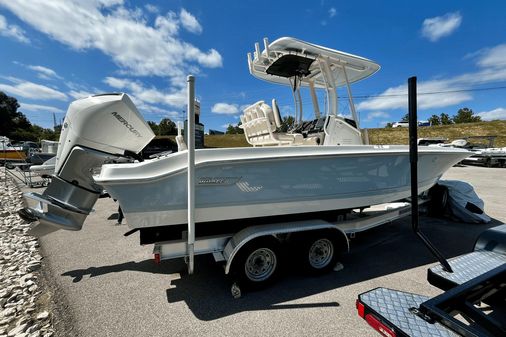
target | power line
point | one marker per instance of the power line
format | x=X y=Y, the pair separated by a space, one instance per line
x=426 y=93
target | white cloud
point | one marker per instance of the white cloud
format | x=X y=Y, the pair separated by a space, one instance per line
x=225 y=109
x=189 y=22
x=79 y=94
x=32 y=90
x=135 y=46
x=12 y=31
x=375 y=115
x=499 y=113
x=37 y=108
x=167 y=25
x=445 y=91
x=332 y=12
x=143 y=96
x=44 y=72
x=286 y=110
x=441 y=26
x=397 y=97
x=493 y=57
x=152 y=9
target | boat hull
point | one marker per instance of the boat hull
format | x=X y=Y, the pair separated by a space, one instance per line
x=260 y=182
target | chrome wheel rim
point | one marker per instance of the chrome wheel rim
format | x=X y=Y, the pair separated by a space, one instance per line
x=260 y=264
x=320 y=253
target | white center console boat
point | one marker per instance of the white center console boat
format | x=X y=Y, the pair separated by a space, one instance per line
x=318 y=169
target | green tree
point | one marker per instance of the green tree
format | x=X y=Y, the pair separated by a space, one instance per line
x=234 y=129
x=389 y=125
x=465 y=115
x=286 y=123
x=15 y=125
x=230 y=130
x=405 y=118
x=8 y=114
x=445 y=119
x=238 y=129
x=435 y=120
x=167 y=127
x=154 y=127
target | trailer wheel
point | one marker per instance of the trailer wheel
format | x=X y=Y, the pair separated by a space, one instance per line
x=318 y=251
x=438 y=200
x=257 y=263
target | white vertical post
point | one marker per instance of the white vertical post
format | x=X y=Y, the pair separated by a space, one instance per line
x=314 y=98
x=191 y=172
x=350 y=99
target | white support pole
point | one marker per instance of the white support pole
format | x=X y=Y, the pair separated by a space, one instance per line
x=350 y=98
x=191 y=172
x=330 y=85
x=314 y=98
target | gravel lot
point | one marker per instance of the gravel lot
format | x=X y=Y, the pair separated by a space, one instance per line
x=107 y=285
x=24 y=299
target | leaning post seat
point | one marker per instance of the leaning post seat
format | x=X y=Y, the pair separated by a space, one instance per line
x=259 y=125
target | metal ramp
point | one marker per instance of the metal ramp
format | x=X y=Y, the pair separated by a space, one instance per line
x=473 y=303
x=394 y=309
x=489 y=253
x=465 y=268
x=473 y=309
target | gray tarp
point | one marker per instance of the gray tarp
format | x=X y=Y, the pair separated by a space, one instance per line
x=464 y=203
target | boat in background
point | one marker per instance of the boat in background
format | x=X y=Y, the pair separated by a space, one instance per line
x=9 y=153
x=481 y=150
x=319 y=168
x=44 y=169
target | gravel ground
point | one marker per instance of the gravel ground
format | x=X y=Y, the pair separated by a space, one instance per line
x=24 y=298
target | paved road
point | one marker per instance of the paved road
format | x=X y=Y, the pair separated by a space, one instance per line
x=107 y=285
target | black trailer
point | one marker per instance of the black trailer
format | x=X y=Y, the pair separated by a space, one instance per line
x=473 y=304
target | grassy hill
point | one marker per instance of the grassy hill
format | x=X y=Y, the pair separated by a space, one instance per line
x=452 y=132
x=397 y=135
x=225 y=141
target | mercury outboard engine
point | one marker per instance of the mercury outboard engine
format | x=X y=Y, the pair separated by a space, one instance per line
x=96 y=130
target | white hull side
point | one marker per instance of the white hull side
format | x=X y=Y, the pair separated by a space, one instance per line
x=266 y=184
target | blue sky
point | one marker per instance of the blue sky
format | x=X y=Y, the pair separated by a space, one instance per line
x=52 y=52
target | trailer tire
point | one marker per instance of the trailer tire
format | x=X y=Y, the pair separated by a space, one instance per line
x=257 y=263
x=438 y=200
x=318 y=251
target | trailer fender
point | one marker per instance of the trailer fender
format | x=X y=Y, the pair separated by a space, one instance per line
x=249 y=233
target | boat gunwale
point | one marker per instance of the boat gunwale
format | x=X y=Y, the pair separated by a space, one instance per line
x=203 y=162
